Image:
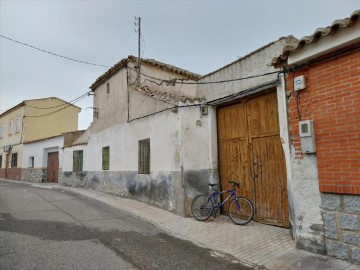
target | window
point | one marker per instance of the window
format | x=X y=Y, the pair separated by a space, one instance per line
x=144 y=156
x=31 y=162
x=78 y=161
x=14 y=160
x=17 y=124
x=108 y=88
x=1 y=131
x=106 y=158
x=11 y=127
x=0 y=161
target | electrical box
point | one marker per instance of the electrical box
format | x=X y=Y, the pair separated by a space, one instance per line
x=307 y=136
x=299 y=83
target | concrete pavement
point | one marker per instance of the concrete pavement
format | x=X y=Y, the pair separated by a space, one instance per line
x=256 y=245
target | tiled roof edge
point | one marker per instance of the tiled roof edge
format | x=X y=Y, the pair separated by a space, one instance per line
x=290 y=37
x=319 y=33
x=123 y=63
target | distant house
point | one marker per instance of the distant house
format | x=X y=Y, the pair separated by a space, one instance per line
x=323 y=96
x=30 y=138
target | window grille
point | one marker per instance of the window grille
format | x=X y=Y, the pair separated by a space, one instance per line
x=78 y=161
x=14 y=160
x=106 y=158
x=144 y=156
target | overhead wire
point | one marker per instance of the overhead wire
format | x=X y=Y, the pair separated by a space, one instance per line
x=71 y=101
x=121 y=45
x=54 y=54
x=183 y=81
x=68 y=105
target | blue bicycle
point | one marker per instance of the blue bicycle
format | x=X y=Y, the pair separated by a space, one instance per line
x=241 y=209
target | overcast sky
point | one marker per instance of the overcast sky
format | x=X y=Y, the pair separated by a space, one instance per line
x=199 y=36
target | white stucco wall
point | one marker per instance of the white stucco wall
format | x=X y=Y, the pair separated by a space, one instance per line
x=39 y=150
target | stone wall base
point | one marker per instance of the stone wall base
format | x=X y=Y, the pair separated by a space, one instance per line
x=341 y=215
x=34 y=175
x=172 y=190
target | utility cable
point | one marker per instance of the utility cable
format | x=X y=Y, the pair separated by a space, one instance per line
x=182 y=81
x=55 y=54
x=67 y=102
x=50 y=113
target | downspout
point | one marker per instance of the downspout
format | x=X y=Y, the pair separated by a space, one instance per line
x=128 y=93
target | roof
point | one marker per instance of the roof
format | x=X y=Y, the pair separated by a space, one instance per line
x=23 y=103
x=289 y=39
x=165 y=96
x=336 y=26
x=123 y=63
x=42 y=139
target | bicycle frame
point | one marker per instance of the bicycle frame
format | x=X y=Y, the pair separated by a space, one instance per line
x=214 y=194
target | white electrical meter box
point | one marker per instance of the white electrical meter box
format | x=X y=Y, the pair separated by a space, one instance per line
x=299 y=83
x=307 y=136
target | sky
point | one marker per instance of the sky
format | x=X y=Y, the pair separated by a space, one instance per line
x=200 y=36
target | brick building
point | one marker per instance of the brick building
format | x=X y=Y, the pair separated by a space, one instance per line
x=323 y=90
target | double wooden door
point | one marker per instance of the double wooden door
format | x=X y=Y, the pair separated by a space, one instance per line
x=250 y=152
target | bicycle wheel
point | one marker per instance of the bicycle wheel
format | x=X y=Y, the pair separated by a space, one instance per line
x=201 y=207
x=241 y=211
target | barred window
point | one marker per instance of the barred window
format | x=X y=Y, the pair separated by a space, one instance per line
x=106 y=158
x=144 y=156
x=14 y=160
x=78 y=161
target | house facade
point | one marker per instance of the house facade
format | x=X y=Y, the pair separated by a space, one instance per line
x=133 y=147
x=32 y=121
x=323 y=96
x=162 y=134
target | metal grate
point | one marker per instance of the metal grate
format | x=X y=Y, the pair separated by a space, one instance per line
x=106 y=158
x=14 y=160
x=144 y=156
x=78 y=161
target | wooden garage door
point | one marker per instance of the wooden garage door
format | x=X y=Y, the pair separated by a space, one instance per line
x=250 y=151
x=53 y=167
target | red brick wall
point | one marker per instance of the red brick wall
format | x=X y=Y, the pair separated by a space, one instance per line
x=332 y=100
x=14 y=174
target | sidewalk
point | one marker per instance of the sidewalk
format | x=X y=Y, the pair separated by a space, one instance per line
x=256 y=245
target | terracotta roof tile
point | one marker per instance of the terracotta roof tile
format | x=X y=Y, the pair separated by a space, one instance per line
x=166 y=97
x=123 y=63
x=337 y=25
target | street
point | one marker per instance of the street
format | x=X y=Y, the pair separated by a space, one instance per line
x=48 y=228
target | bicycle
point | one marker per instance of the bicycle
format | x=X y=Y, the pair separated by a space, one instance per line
x=241 y=209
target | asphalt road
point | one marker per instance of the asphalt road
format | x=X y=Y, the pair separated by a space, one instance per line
x=45 y=228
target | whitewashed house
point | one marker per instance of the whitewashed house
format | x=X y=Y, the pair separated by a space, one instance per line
x=164 y=140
